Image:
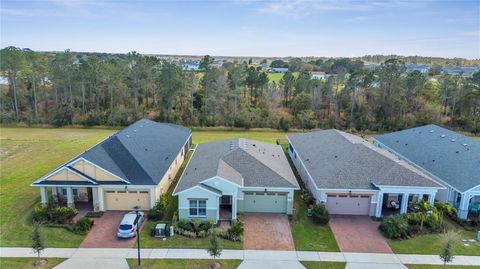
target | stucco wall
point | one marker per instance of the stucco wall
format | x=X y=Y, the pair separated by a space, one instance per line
x=198 y=193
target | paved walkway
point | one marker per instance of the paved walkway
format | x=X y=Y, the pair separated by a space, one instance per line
x=358 y=234
x=387 y=260
x=267 y=231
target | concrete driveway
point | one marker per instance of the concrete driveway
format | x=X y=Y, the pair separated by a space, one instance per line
x=104 y=232
x=358 y=234
x=266 y=231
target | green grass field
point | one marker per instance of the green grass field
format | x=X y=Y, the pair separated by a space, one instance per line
x=432 y=243
x=180 y=264
x=278 y=76
x=27 y=263
x=308 y=235
x=27 y=154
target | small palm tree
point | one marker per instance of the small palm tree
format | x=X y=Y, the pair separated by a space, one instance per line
x=424 y=208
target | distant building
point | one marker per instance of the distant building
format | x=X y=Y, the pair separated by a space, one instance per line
x=191 y=66
x=319 y=75
x=465 y=71
x=279 y=69
x=417 y=67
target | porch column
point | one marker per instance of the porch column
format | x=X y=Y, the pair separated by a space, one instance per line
x=234 y=207
x=70 y=202
x=43 y=196
x=404 y=205
x=55 y=194
x=431 y=198
x=378 y=210
x=463 y=207
x=96 y=205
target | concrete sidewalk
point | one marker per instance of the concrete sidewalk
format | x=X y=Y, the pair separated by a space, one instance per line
x=247 y=255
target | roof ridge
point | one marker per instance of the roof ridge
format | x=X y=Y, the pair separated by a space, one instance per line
x=130 y=157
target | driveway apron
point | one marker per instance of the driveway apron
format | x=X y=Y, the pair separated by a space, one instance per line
x=267 y=231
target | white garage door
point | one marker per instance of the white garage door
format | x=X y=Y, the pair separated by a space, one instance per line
x=345 y=204
x=126 y=200
x=269 y=202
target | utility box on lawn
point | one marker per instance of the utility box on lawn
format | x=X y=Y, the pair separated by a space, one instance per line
x=160 y=230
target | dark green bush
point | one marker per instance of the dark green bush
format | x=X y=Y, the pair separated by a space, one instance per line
x=82 y=226
x=62 y=214
x=157 y=212
x=394 y=227
x=307 y=198
x=320 y=214
x=93 y=214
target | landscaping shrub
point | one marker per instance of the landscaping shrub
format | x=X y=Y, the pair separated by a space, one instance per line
x=62 y=214
x=93 y=214
x=320 y=214
x=52 y=214
x=157 y=212
x=236 y=228
x=82 y=226
x=165 y=208
x=307 y=198
x=394 y=227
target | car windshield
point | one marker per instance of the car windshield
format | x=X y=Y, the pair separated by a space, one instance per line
x=125 y=226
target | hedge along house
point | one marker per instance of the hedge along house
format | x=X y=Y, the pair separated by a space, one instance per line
x=451 y=159
x=352 y=177
x=132 y=167
x=237 y=175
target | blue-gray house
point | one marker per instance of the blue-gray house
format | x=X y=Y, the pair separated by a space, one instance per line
x=450 y=158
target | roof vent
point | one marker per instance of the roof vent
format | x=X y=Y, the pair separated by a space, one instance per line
x=431 y=131
x=397 y=141
x=336 y=156
x=453 y=140
x=442 y=136
x=253 y=145
x=464 y=145
x=433 y=161
x=127 y=135
x=406 y=144
x=457 y=151
x=134 y=131
x=141 y=126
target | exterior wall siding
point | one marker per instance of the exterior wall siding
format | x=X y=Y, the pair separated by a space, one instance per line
x=197 y=193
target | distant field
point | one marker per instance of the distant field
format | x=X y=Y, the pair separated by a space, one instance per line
x=278 y=76
x=27 y=154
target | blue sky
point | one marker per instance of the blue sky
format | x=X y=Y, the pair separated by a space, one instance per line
x=246 y=28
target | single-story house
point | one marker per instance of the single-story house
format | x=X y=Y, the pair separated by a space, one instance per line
x=236 y=175
x=451 y=159
x=132 y=167
x=353 y=177
x=319 y=75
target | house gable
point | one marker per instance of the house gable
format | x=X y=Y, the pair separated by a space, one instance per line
x=65 y=175
x=94 y=171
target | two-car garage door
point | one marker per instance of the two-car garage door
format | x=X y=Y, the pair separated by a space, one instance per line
x=269 y=202
x=348 y=204
x=126 y=200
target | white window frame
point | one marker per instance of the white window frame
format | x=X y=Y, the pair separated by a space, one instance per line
x=196 y=206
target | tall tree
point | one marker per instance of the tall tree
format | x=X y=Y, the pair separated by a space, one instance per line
x=12 y=62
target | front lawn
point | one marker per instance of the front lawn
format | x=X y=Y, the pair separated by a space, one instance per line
x=308 y=235
x=432 y=243
x=28 y=263
x=324 y=265
x=26 y=154
x=180 y=264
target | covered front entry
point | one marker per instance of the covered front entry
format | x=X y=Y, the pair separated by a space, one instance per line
x=348 y=204
x=126 y=200
x=269 y=202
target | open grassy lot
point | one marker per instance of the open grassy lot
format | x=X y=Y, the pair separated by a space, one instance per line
x=180 y=264
x=306 y=234
x=27 y=263
x=278 y=76
x=432 y=243
x=27 y=154
x=324 y=265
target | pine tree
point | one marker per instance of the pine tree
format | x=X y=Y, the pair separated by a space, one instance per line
x=446 y=255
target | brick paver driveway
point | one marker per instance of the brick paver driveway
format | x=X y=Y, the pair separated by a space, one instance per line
x=267 y=231
x=104 y=232
x=358 y=234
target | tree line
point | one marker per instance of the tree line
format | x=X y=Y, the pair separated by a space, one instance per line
x=88 y=89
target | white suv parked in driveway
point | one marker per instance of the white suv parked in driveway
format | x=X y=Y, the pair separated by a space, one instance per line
x=128 y=226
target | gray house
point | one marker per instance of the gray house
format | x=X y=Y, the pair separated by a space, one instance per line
x=237 y=175
x=353 y=177
x=448 y=157
x=132 y=167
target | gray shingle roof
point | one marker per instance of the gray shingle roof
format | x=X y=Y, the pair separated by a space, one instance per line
x=452 y=157
x=140 y=153
x=245 y=162
x=337 y=160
